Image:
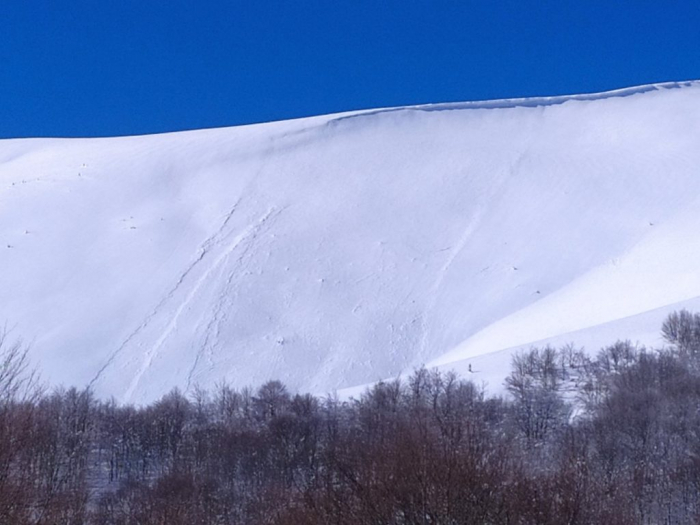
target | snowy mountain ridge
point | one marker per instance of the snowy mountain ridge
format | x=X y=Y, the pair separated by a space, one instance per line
x=333 y=251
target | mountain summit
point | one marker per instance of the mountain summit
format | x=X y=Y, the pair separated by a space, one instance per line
x=333 y=251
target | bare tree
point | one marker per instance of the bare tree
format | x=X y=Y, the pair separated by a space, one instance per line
x=682 y=330
x=18 y=379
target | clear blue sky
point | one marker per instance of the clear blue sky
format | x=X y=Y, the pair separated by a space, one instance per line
x=117 y=67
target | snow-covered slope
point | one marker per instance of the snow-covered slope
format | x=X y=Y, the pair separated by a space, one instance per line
x=334 y=251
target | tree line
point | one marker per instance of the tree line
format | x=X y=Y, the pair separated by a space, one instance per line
x=579 y=439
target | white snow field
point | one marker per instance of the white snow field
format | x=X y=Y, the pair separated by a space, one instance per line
x=334 y=251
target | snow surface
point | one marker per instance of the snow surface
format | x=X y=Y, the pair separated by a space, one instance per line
x=334 y=251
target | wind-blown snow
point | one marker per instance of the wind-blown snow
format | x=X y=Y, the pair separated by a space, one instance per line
x=334 y=251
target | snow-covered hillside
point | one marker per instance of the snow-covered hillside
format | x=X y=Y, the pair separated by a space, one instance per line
x=333 y=251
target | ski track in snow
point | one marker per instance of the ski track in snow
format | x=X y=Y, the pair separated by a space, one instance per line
x=203 y=251
x=461 y=244
x=247 y=234
x=433 y=293
x=245 y=239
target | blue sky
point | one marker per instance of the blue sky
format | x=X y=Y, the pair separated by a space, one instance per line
x=122 y=67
